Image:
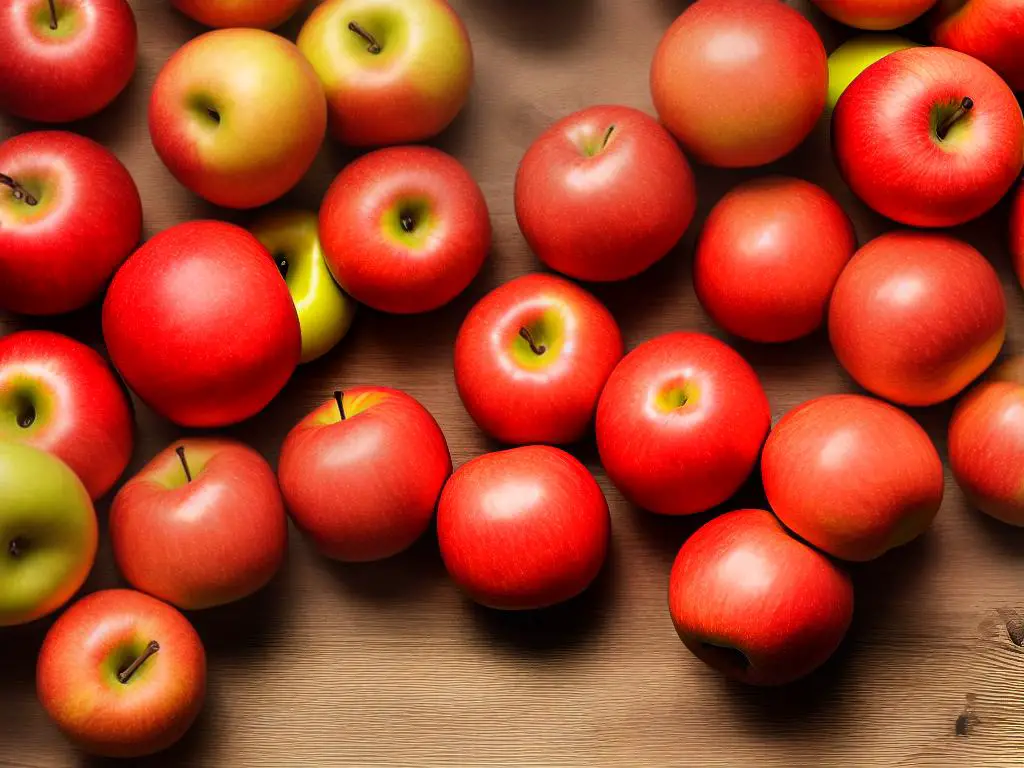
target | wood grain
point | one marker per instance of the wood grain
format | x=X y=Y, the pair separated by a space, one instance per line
x=386 y=665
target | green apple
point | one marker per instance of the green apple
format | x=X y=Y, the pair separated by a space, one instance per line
x=325 y=311
x=48 y=533
x=854 y=56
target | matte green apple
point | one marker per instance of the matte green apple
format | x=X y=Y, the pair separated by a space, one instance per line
x=854 y=56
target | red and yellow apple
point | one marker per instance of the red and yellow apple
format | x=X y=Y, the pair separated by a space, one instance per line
x=989 y=30
x=858 y=53
x=261 y=14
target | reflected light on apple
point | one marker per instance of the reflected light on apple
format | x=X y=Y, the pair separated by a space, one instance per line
x=506 y=501
x=904 y=292
x=746 y=568
x=586 y=176
x=835 y=453
x=735 y=49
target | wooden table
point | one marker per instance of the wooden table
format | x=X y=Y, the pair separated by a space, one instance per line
x=387 y=665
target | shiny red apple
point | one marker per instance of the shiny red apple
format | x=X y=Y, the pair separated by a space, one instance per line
x=989 y=30
x=874 y=14
x=262 y=14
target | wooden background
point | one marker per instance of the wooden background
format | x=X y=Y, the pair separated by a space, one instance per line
x=388 y=665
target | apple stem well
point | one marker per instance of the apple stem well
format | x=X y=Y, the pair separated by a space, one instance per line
x=16 y=548
x=371 y=42
x=126 y=674
x=339 y=398
x=180 y=450
x=952 y=119
x=537 y=349
x=20 y=193
x=53 y=14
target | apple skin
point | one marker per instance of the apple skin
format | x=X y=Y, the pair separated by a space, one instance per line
x=765 y=56
x=59 y=395
x=857 y=54
x=364 y=487
x=1017 y=234
x=238 y=115
x=986 y=444
x=409 y=90
x=769 y=256
x=885 y=139
x=680 y=423
x=991 y=31
x=325 y=312
x=877 y=15
x=64 y=74
x=604 y=193
x=756 y=604
x=852 y=475
x=404 y=229
x=204 y=542
x=56 y=256
x=218 y=337
x=524 y=528
x=518 y=396
x=98 y=637
x=48 y=533
x=266 y=14
x=916 y=317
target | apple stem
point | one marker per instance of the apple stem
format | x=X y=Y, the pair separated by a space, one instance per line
x=338 y=398
x=946 y=125
x=20 y=193
x=180 y=450
x=537 y=349
x=371 y=42
x=607 y=136
x=53 y=15
x=124 y=676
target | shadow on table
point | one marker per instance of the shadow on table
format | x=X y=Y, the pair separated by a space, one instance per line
x=539 y=24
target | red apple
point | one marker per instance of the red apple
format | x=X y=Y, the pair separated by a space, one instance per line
x=754 y=603
x=769 y=256
x=122 y=674
x=524 y=528
x=680 y=423
x=201 y=325
x=740 y=82
x=929 y=137
x=405 y=229
x=874 y=14
x=64 y=60
x=917 y=317
x=201 y=525
x=989 y=30
x=1017 y=234
x=604 y=193
x=362 y=473
x=852 y=475
x=69 y=215
x=265 y=14
x=61 y=396
x=532 y=358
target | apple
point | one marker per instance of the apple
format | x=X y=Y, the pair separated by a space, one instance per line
x=60 y=396
x=48 y=533
x=986 y=444
x=265 y=14
x=929 y=137
x=756 y=604
x=201 y=525
x=238 y=115
x=122 y=674
x=874 y=14
x=604 y=193
x=854 y=56
x=740 y=82
x=404 y=229
x=201 y=325
x=532 y=358
x=1017 y=234
x=769 y=256
x=524 y=528
x=362 y=473
x=989 y=30
x=70 y=214
x=325 y=312
x=852 y=475
x=63 y=60
x=916 y=317
x=395 y=71
x=680 y=423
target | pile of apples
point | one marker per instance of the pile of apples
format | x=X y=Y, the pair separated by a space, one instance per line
x=206 y=322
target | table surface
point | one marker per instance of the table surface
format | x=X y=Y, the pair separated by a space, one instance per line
x=387 y=664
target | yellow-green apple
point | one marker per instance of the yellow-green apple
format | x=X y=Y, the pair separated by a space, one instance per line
x=754 y=603
x=532 y=358
x=680 y=423
x=852 y=475
x=61 y=396
x=237 y=115
x=394 y=72
x=917 y=317
x=262 y=14
x=769 y=256
x=989 y=30
x=70 y=213
x=405 y=229
x=48 y=533
x=986 y=444
x=201 y=325
x=63 y=60
x=524 y=528
x=325 y=312
x=1017 y=234
x=122 y=674
x=201 y=525
x=740 y=82
x=929 y=137
x=874 y=14
x=362 y=473
x=854 y=56
x=604 y=193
